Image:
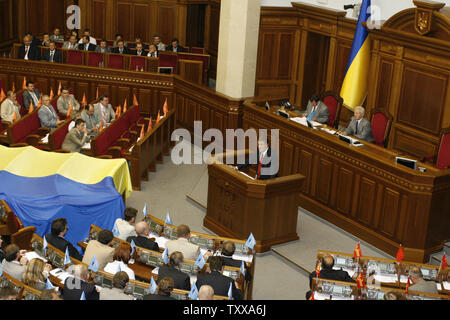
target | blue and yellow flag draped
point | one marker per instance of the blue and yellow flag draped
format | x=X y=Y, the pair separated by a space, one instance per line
x=354 y=87
x=41 y=186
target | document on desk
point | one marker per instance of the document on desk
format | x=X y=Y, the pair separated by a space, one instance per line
x=155 y=270
x=446 y=285
x=386 y=278
x=302 y=121
x=161 y=241
x=32 y=255
x=321 y=296
x=87 y=145
x=246 y=258
x=332 y=132
x=45 y=139
x=60 y=274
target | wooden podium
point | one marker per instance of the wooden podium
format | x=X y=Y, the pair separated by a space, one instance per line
x=239 y=205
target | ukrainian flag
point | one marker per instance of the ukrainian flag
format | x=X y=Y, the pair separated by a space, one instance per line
x=354 y=88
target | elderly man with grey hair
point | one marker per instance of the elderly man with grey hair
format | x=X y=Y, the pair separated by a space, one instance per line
x=359 y=126
x=47 y=115
x=206 y=293
x=76 y=285
x=142 y=240
x=419 y=284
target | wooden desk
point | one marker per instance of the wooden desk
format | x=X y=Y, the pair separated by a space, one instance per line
x=361 y=189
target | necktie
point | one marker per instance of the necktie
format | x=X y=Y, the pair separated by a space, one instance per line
x=86 y=46
x=260 y=164
x=356 y=127
x=26 y=52
x=35 y=99
x=51 y=57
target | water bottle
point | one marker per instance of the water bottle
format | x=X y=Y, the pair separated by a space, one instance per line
x=137 y=68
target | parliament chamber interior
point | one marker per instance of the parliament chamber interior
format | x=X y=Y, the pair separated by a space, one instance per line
x=119 y=179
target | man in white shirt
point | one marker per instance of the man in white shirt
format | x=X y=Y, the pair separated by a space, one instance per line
x=87 y=32
x=72 y=43
x=104 y=110
x=9 y=107
x=125 y=225
x=190 y=251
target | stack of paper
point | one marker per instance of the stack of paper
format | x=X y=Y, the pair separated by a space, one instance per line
x=245 y=258
x=329 y=130
x=32 y=255
x=87 y=145
x=45 y=139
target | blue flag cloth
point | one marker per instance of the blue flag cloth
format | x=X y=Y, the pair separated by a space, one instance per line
x=243 y=268
x=83 y=296
x=152 y=286
x=45 y=245
x=200 y=261
x=119 y=269
x=48 y=285
x=193 y=295
x=250 y=241
x=165 y=256
x=1 y=270
x=133 y=245
x=230 y=291
x=93 y=265
x=168 y=220
x=144 y=211
x=67 y=257
x=115 y=230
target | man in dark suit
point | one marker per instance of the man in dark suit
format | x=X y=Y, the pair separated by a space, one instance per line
x=34 y=41
x=56 y=238
x=142 y=240
x=138 y=41
x=264 y=170
x=77 y=284
x=327 y=272
x=219 y=282
x=30 y=95
x=29 y=51
x=140 y=51
x=52 y=55
x=175 y=47
x=228 y=249
x=181 y=280
x=86 y=45
x=121 y=48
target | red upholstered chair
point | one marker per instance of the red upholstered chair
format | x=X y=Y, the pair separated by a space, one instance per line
x=19 y=98
x=115 y=61
x=27 y=130
x=75 y=57
x=94 y=58
x=57 y=136
x=168 y=59
x=140 y=62
x=334 y=103
x=443 y=155
x=198 y=50
x=3 y=86
x=59 y=44
x=381 y=125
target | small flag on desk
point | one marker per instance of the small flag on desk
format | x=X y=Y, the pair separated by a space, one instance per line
x=243 y=268
x=84 y=101
x=318 y=270
x=119 y=269
x=168 y=220
x=165 y=256
x=193 y=295
x=97 y=94
x=165 y=108
x=1 y=270
x=357 y=252
x=250 y=241
x=150 y=125
x=444 y=262
x=230 y=291
x=44 y=247
x=135 y=101
x=39 y=102
x=24 y=84
x=158 y=117
x=31 y=108
x=67 y=257
x=408 y=283
x=400 y=255
x=125 y=106
x=152 y=286
x=13 y=89
x=200 y=262
x=59 y=88
x=93 y=265
x=144 y=211
x=69 y=113
x=133 y=245
x=52 y=94
x=312 y=296
x=2 y=95
x=83 y=296
x=142 y=133
x=48 y=285
x=115 y=230
x=360 y=283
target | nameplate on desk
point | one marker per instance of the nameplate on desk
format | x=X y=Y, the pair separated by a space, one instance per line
x=349 y=140
x=284 y=114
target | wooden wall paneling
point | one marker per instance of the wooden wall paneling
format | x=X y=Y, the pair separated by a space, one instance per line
x=191 y=70
x=391 y=203
x=37 y=16
x=343 y=49
x=163 y=95
x=44 y=85
x=207 y=116
x=141 y=21
x=324 y=176
x=286 y=158
x=267 y=54
x=219 y=121
x=366 y=203
x=345 y=187
x=124 y=19
x=413 y=142
x=122 y=93
x=305 y=167
x=181 y=109
x=385 y=84
x=6 y=20
x=165 y=15
x=99 y=18
x=145 y=99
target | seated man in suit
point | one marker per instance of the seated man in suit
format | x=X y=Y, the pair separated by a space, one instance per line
x=65 y=100
x=121 y=48
x=52 y=55
x=101 y=249
x=419 y=284
x=85 y=45
x=87 y=33
x=57 y=36
x=77 y=137
x=219 y=282
x=175 y=47
x=125 y=225
x=9 y=107
x=267 y=169
x=119 y=37
x=163 y=291
x=45 y=40
x=140 y=50
x=91 y=119
x=317 y=110
x=34 y=41
x=142 y=240
x=119 y=283
x=228 y=249
x=14 y=262
x=71 y=44
x=104 y=110
x=47 y=115
x=75 y=285
x=189 y=250
x=31 y=95
x=29 y=51
x=138 y=41
x=181 y=280
x=56 y=238
x=206 y=293
x=157 y=41
x=327 y=272
x=359 y=126
x=153 y=51
x=103 y=47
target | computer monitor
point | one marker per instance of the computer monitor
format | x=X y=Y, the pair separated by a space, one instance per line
x=406 y=162
x=167 y=70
